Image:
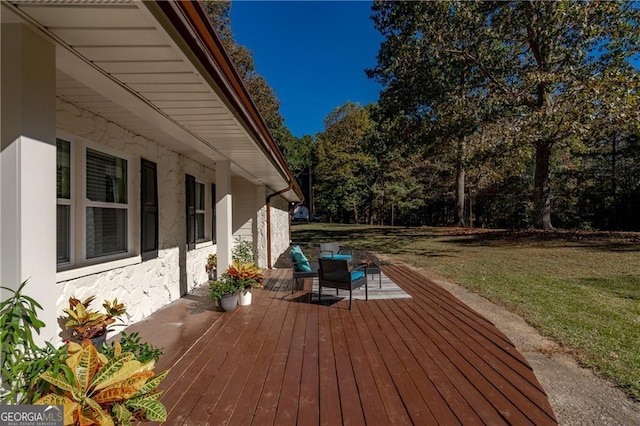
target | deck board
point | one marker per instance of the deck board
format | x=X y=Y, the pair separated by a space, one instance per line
x=371 y=401
x=254 y=386
x=329 y=404
x=418 y=411
x=347 y=387
x=425 y=360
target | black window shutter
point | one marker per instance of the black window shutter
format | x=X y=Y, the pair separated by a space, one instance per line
x=149 y=210
x=191 y=211
x=213 y=215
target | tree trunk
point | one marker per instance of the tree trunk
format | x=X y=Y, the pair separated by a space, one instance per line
x=614 y=183
x=470 y=210
x=460 y=180
x=542 y=186
x=393 y=214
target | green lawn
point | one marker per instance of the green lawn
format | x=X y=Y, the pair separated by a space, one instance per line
x=581 y=289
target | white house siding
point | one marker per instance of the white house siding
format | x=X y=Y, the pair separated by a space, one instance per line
x=244 y=208
x=143 y=286
x=244 y=211
x=250 y=220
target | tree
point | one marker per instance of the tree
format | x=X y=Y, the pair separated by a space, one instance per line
x=443 y=91
x=262 y=94
x=343 y=163
x=538 y=63
x=300 y=154
x=396 y=176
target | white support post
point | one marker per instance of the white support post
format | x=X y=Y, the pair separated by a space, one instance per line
x=224 y=214
x=28 y=170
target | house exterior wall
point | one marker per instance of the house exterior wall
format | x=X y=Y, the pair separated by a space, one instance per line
x=30 y=169
x=144 y=286
x=250 y=220
x=260 y=227
x=244 y=209
x=197 y=258
x=280 y=230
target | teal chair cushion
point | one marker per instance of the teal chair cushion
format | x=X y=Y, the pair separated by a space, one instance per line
x=337 y=256
x=300 y=261
x=356 y=275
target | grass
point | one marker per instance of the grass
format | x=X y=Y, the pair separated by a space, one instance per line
x=581 y=289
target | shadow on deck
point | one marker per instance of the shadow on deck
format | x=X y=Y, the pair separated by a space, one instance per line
x=425 y=360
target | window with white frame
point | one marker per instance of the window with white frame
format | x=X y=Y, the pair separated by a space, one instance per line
x=93 y=204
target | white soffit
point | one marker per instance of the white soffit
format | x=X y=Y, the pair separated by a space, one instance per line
x=114 y=59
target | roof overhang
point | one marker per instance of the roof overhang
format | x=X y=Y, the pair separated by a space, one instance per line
x=158 y=69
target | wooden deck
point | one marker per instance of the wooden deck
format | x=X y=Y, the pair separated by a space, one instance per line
x=426 y=360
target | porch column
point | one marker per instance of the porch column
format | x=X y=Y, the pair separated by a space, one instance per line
x=28 y=170
x=224 y=214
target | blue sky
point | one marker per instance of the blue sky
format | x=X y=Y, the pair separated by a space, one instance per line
x=312 y=53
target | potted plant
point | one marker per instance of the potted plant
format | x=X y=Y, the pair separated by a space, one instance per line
x=84 y=323
x=101 y=390
x=224 y=291
x=247 y=276
x=212 y=266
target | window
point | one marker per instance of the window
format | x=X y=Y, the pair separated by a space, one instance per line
x=63 y=203
x=148 y=210
x=200 y=212
x=196 y=213
x=213 y=216
x=190 y=192
x=106 y=205
x=93 y=210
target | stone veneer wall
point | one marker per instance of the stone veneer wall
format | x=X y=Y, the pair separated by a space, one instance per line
x=280 y=228
x=280 y=232
x=260 y=227
x=146 y=286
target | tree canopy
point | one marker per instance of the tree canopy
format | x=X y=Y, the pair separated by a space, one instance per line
x=542 y=69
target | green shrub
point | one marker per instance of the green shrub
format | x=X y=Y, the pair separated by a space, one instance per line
x=21 y=359
x=242 y=252
x=225 y=285
x=131 y=343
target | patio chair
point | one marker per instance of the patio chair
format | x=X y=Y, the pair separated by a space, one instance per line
x=334 y=251
x=302 y=267
x=336 y=274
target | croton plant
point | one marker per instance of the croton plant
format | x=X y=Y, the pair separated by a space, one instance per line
x=98 y=390
x=246 y=275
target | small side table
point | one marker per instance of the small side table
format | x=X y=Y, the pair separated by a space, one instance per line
x=373 y=269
